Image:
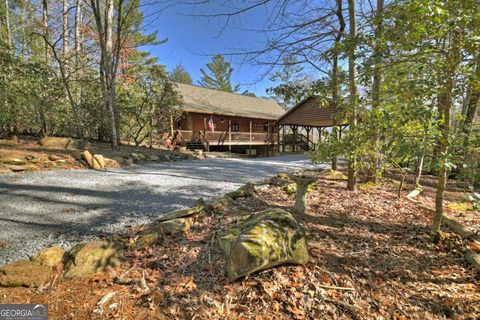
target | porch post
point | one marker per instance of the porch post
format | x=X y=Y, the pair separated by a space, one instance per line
x=250 y=153
x=294 y=128
x=278 y=138
x=230 y=135
x=308 y=137
x=283 y=138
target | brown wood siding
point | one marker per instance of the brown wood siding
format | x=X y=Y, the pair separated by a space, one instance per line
x=309 y=113
x=196 y=121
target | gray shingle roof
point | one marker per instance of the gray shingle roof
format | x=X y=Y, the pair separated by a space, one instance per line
x=203 y=100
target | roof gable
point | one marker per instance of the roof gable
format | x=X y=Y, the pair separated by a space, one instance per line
x=203 y=100
x=309 y=112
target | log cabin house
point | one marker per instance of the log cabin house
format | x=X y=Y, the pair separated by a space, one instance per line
x=240 y=123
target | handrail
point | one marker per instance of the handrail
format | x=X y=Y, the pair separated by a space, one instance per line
x=178 y=138
x=205 y=142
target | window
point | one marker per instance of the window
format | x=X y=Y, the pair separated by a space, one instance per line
x=235 y=126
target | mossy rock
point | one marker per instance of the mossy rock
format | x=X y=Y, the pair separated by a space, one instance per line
x=220 y=204
x=181 y=213
x=24 y=273
x=334 y=175
x=291 y=188
x=95 y=256
x=263 y=240
x=156 y=234
x=49 y=257
x=247 y=190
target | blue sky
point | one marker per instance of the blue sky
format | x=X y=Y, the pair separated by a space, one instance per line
x=192 y=40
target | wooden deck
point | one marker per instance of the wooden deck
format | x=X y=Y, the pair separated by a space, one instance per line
x=225 y=138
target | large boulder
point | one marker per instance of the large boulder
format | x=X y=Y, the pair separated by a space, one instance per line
x=263 y=240
x=95 y=256
x=15 y=160
x=96 y=162
x=49 y=257
x=24 y=273
x=64 y=143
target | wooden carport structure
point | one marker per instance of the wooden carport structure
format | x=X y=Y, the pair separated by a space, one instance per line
x=312 y=113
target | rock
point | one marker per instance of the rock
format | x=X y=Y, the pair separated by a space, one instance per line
x=49 y=257
x=17 y=168
x=32 y=167
x=181 y=213
x=128 y=161
x=220 y=204
x=4 y=168
x=55 y=157
x=24 y=273
x=13 y=160
x=14 y=138
x=136 y=157
x=153 y=158
x=247 y=190
x=56 y=142
x=30 y=157
x=100 y=160
x=180 y=225
x=64 y=143
x=263 y=240
x=95 y=256
x=111 y=163
x=155 y=234
x=94 y=161
x=282 y=175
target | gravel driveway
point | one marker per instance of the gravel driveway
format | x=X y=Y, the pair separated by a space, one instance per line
x=42 y=209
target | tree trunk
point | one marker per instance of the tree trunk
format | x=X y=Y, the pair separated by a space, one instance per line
x=445 y=105
x=45 y=30
x=107 y=75
x=473 y=100
x=335 y=85
x=419 y=170
x=377 y=78
x=7 y=26
x=65 y=32
x=76 y=48
x=23 y=20
x=352 y=161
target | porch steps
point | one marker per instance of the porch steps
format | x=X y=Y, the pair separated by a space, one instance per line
x=195 y=146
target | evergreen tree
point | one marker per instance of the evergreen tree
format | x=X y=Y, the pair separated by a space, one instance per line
x=180 y=74
x=220 y=75
x=293 y=83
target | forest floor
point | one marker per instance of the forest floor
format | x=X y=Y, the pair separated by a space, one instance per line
x=371 y=257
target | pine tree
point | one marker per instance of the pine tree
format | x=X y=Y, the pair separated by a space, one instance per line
x=180 y=74
x=220 y=78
